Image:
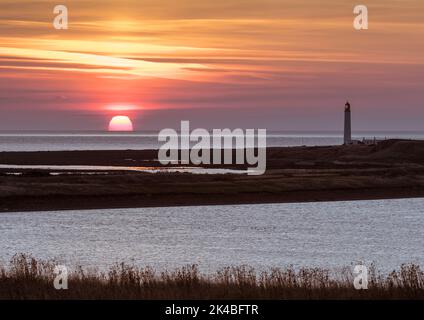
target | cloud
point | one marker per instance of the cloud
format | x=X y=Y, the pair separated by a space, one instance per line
x=197 y=54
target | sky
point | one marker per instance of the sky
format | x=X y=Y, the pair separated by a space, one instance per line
x=275 y=64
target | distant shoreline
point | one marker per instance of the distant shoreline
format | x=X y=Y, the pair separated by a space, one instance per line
x=392 y=169
x=62 y=141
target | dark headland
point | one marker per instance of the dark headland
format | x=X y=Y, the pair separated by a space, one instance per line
x=390 y=169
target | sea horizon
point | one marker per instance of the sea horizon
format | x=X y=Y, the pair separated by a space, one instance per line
x=148 y=139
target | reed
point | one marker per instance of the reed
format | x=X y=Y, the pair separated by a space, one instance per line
x=28 y=278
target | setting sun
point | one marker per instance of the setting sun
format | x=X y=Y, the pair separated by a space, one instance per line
x=120 y=123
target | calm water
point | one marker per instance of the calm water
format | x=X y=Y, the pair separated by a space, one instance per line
x=327 y=234
x=64 y=169
x=50 y=141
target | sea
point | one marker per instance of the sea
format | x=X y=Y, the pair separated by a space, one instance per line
x=93 y=140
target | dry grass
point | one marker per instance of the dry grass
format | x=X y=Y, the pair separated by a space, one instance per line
x=28 y=278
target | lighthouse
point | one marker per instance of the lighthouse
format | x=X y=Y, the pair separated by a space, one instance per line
x=347 y=125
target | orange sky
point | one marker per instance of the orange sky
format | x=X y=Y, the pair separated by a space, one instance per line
x=285 y=58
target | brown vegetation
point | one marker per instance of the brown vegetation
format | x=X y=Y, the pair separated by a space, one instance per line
x=27 y=278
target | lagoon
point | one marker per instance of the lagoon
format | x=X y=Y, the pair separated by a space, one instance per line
x=325 y=234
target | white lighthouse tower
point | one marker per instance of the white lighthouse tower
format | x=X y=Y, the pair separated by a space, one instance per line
x=347 y=125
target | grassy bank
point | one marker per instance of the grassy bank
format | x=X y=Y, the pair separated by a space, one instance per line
x=27 y=278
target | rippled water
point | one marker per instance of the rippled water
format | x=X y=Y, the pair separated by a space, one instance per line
x=328 y=234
